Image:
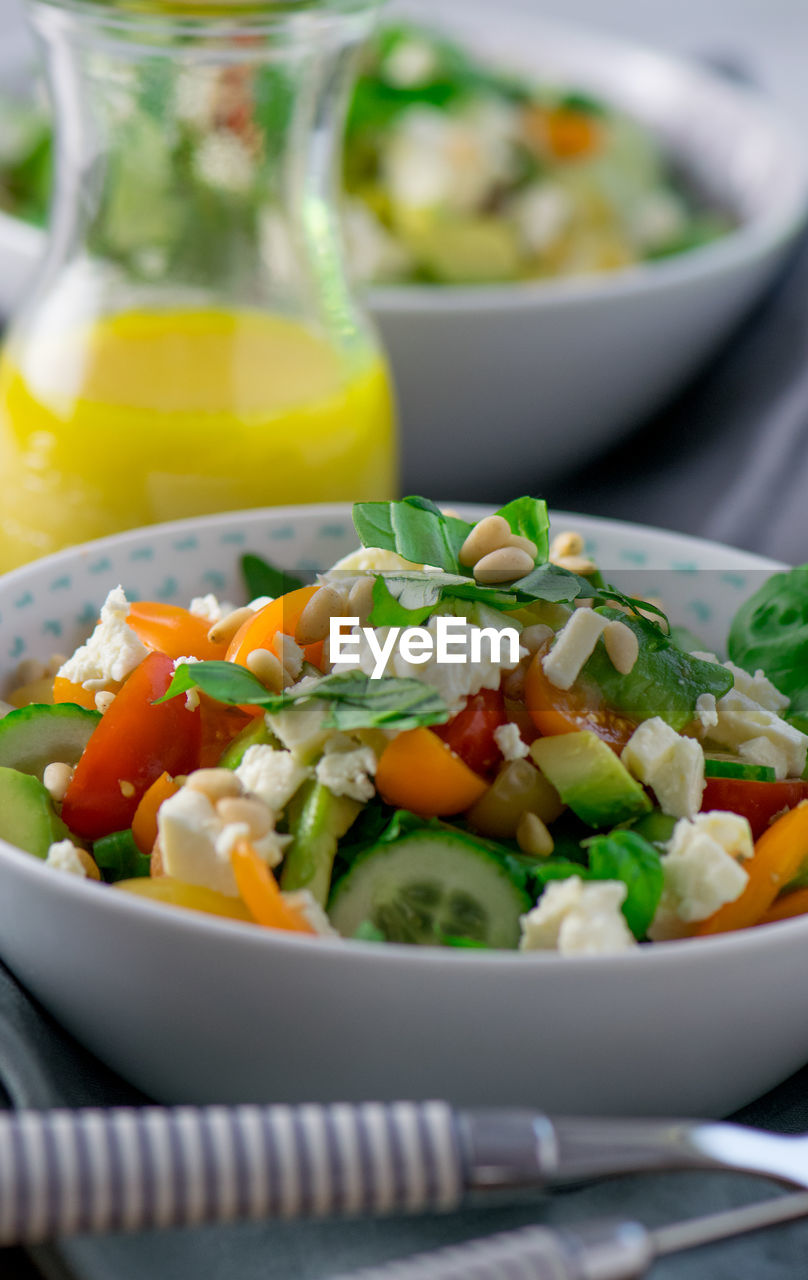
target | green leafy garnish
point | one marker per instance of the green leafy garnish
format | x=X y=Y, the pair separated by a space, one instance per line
x=664 y=681
x=770 y=631
x=356 y=700
x=367 y=931
x=263 y=579
x=119 y=858
x=626 y=856
x=528 y=518
x=414 y=528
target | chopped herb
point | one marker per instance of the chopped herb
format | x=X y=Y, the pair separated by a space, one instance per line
x=356 y=701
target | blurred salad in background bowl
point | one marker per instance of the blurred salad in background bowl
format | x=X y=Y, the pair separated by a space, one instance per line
x=455 y=172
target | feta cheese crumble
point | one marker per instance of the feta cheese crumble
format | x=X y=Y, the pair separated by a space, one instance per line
x=112 y=651
x=578 y=918
x=742 y=722
x=271 y=775
x=574 y=645
x=702 y=870
x=347 y=769
x=64 y=856
x=509 y=740
x=671 y=765
x=196 y=844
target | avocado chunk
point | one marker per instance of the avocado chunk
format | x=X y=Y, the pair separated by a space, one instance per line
x=27 y=816
x=317 y=822
x=590 y=778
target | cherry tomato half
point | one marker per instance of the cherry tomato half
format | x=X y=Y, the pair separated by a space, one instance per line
x=470 y=733
x=757 y=801
x=131 y=746
x=555 y=710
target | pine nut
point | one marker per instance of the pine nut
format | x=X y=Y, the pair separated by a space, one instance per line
x=55 y=662
x=57 y=778
x=524 y=544
x=532 y=638
x=215 y=783
x=127 y=788
x=289 y=654
x=360 y=599
x=532 y=836
x=576 y=564
x=223 y=631
x=266 y=667
x=567 y=543
x=89 y=864
x=506 y=564
x=253 y=813
x=487 y=535
x=104 y=700
x=315 y=621
x=156 y=867
x=622 y=646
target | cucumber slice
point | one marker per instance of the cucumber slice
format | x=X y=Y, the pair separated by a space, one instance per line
x=32 y=737
x=729 y=767
x=27 y=816
x=429 y=885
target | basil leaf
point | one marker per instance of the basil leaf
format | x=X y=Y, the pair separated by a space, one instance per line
x=551 y=583
x=263 y=579
x=528 y=518
x=770 y=631
x=626 y=856
x=664 y=680
x=388 y=611
x=553 y=868
x=415 y=528
x=357 y=701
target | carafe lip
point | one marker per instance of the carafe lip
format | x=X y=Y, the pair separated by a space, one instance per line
x=189 y=17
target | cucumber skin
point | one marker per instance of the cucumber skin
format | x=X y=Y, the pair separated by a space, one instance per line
x=32 y=737
x=740 y=770
x=522 y=902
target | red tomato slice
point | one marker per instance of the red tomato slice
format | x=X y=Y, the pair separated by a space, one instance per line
x=470 y=733
x=173 y=630
x=757 y=801
x=132 y=745
x=556 y=710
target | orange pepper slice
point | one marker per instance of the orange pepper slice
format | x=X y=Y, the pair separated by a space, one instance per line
x=173 y=630
x=144 y=823
x=778 y=856
x=260 y=631
x=65 y=690
x=261 y=894
x=418 y=771
x=787 y=907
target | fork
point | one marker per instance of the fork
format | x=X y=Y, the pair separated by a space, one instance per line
x=122 y=1169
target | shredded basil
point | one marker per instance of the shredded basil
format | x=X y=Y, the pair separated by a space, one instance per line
x=356 y=701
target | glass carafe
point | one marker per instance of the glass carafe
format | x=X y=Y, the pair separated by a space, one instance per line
x=191 y=343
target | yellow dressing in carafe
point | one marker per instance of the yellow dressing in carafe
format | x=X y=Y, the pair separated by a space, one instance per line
x=146 y=416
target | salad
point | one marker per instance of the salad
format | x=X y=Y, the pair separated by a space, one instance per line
x=459 y=735
x=454 y=172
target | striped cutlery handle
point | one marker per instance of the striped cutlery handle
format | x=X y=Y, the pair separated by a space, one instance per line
x=130 y=1169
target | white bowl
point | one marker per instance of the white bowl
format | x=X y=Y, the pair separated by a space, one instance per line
x=193 y=1008
x=504 y=386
